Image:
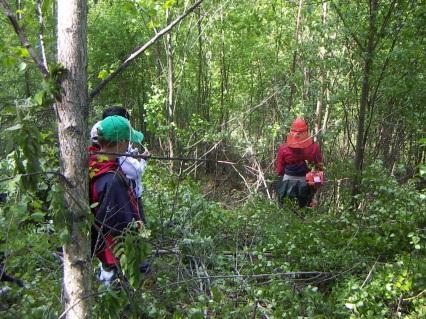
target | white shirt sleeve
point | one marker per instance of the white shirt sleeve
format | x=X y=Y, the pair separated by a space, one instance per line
x=143 y=166
x=131 y=167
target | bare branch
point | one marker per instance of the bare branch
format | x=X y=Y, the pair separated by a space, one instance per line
x=139 y=51
x=22 y=38
x=165 y=158
x=416 y=296
x=293 y=276
x=369 y=274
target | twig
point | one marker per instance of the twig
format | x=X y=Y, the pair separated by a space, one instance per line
x=369 y=274
x=78 y=301
x=242 y=177
x=190 y=169
x=255 y=308
x=165 y=158
x=398 y=308
x=336 y=275
x=416 y=296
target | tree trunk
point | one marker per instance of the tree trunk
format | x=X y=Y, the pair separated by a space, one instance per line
x=293 y=66
x=327 y=106
x=170 y=89
x=72 y=128
x=27 y=79
x=223 y=70
x=200 y=94
x=320 y=101
x=365 y=88
x=41 y=32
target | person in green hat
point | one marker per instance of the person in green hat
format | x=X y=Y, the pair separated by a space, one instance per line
x=117 y=132
x=132 y=167
x=112 y=197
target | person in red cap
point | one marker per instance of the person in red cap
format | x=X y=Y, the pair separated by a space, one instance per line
x=291 y=164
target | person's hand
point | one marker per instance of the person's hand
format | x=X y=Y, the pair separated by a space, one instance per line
x=146 y=154
x=133 y=150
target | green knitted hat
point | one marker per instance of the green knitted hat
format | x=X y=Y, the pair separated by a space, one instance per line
x=117 y=128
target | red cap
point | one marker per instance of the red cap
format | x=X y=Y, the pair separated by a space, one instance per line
x=299 y=136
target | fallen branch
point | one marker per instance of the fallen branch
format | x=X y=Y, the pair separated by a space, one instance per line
x=176 y=251
x=293 y=275
x=369 y=274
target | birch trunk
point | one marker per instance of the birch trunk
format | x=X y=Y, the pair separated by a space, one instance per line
x=322 y=77
x=170 y=89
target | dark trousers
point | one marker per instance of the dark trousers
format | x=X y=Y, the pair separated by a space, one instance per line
x=296 y=189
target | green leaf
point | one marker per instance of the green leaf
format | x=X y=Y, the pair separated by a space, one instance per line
x=103 y=74
x=37 y=217
x=22 y=66
x=14 y=127
x=38 y=97
x=168 y=4
x=46 y=7
x=64 y=236
x=23 y=53
x=94 y=205
x=8 y=61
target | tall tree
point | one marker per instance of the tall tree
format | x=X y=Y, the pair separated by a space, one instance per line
x=170 y=105
x=295 y=55
x=322 y=75
x=72 y=112
x=365 y=89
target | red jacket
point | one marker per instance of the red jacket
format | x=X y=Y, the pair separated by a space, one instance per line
x=291 y=161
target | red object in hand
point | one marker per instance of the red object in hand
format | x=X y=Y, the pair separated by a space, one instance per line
x=315 y=178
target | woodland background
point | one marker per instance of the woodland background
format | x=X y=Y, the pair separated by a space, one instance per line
x=224 y=84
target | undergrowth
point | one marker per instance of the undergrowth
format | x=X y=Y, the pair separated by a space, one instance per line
x=252 y=261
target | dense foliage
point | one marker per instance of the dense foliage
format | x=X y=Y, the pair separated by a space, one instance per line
x=211 y=261
x=225 y=84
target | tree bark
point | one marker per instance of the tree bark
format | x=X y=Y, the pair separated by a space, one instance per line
x=72 y=113
x=322 y=80
x=365 y=88
x=223 y=69
x=170 y=89
x=293 y=66
x=39 y=4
